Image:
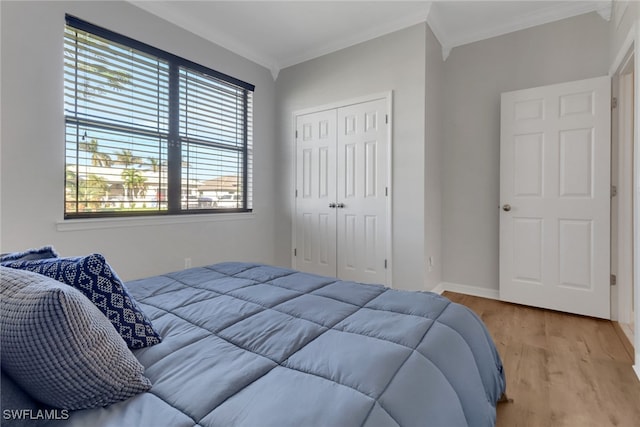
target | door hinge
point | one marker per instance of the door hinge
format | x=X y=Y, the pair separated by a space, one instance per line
x=296 y=134
x=296 y=192
x=614 y=191
x=385 y=264
x=614 y=280
x=614 y=103
x=386 y=191
x=386 y=119
x=295 y=252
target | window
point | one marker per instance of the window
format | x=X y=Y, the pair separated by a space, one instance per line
x=150 y=133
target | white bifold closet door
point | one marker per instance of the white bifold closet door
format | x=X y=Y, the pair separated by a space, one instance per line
x=341 y=192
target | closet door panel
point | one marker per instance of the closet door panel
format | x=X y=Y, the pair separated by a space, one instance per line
x=315 y=222
x=361 y=198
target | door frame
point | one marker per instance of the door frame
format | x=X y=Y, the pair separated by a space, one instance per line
x=631 y=44
x=622 y=237
x=388 y=97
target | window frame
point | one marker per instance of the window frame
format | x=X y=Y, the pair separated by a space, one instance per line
x=174 y=139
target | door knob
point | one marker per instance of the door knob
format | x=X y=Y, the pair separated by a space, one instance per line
x=340 y=205
x=332 y=205
x=506 y=207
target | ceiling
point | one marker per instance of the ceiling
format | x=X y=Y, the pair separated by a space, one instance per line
x=278 y=34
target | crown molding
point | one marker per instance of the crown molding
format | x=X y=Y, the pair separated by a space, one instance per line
x=605 y=9
x=168 y=12
x=431 y=15
x=543 y=16
x=433 y=20
x=369 y=34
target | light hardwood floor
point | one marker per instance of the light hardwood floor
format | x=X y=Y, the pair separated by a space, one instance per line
x=561 y=369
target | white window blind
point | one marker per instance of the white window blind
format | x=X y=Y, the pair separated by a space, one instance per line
x=151 y=133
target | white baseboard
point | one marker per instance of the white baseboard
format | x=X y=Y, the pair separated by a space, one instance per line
x=438 y=289
x=475 y=291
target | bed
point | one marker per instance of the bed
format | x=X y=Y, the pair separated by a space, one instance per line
x=247 y=344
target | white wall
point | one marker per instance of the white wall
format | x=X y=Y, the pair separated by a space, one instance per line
x=475 y=76
x=434 y=137
x=395 y=62
x=445 y=194
x=32 y=146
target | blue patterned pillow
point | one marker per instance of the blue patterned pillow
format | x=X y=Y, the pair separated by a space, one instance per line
x=95 y=278
x=30 y=254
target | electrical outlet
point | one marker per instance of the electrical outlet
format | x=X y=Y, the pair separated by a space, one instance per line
x=187 y=263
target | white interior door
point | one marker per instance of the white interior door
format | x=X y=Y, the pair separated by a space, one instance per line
x=555 y=197
x=315 y=222
x=362 y=193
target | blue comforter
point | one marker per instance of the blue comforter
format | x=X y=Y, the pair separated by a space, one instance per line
x=254 y=345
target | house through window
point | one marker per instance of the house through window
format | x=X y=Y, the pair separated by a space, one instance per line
x=148 y=132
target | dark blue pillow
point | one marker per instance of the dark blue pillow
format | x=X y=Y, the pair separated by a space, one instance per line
x=95 y=279
x=30 y=254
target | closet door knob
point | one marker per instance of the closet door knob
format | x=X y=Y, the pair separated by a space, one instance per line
x=340 y=205
x=332 y=205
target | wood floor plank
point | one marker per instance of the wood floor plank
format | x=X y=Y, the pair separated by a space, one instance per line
x=561 y=369
x=523 y=386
